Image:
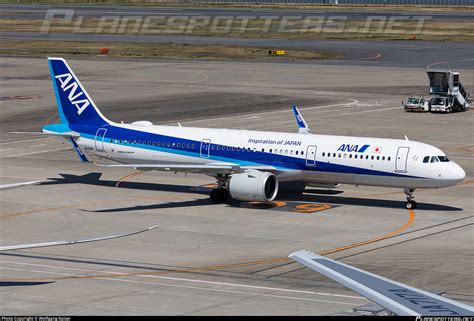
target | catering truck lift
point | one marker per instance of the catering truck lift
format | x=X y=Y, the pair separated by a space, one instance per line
x=451 y=95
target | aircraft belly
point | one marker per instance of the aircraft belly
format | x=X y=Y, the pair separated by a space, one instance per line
x=369 y=180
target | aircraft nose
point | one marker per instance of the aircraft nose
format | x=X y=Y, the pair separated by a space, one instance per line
x=457 y=174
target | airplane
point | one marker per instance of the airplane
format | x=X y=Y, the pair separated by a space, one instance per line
x=247 y=165
x=397 y=297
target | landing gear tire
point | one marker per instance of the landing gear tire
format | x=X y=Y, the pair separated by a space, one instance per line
x=411 y=205
x=219 y=195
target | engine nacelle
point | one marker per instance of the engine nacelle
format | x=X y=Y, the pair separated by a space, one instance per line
x=325 y=185
x=253 y=186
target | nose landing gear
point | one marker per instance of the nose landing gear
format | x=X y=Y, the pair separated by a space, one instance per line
x=410 y=203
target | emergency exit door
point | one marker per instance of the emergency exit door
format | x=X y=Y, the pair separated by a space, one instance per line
x=311 y=155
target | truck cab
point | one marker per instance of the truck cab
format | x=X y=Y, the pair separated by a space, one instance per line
x=415 y=103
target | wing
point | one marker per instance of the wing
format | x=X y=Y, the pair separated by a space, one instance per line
x=303 y=127
x=212 y=168
x=55 y=243
x=397 y=297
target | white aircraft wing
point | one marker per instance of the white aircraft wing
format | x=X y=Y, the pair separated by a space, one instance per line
x=397 y=297
x=215 y=168
x=56 y=243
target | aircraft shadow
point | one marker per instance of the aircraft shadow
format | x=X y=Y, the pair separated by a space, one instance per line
x=311 y=195
x=193 y=203
x=369 y=202
x=94 y=179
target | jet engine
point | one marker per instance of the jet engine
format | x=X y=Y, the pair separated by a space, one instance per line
x=253 y=186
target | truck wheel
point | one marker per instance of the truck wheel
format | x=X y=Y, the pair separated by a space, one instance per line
x=448 y=110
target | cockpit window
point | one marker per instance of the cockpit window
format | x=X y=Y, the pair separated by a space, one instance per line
x=435 y=159
x=443 y=159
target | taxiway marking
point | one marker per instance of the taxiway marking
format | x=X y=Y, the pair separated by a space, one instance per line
x=187 y=287
x=5 y=186
x=189 y=280
x=228 y=266
x=39 y=152
x=24 y=140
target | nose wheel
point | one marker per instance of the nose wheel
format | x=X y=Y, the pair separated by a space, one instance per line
x=410 y=203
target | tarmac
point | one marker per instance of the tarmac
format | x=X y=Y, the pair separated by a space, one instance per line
x=221 y=259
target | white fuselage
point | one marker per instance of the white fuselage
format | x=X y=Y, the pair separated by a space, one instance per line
x=308 y=158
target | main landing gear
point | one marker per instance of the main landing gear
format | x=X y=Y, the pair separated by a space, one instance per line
x=410 y=203
x=219 y=195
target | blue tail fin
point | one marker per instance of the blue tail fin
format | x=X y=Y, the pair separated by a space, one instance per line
x=74 y=104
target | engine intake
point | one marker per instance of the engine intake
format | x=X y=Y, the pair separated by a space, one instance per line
x=253 y=186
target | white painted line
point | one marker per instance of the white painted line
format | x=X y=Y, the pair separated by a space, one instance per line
x=189 y=280
x=361 y=112
x=3 y=150
x=266 y=113
x=24 y=140
x=37 y=145
x=40 y=152
x=186 y=287
x=6 y=186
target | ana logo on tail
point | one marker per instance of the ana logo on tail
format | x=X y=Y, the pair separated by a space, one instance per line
x=66 y=84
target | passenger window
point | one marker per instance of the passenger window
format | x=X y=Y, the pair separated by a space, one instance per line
x=323 y=154
x=378 y=157
x=173 y=145
x=339 y=155
x=355 y=156
x=366 y=156
x=333 y=154
x=350 y=155
x=302 y=153
x=187 y=145
x=388 y=158
x=158 y=144
x=178 y=145
x=213 y=146
x=193 y=146
x=134 y=141
x=168 y=144
x=372 y=158
x=291 y=152
x=383 y=158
